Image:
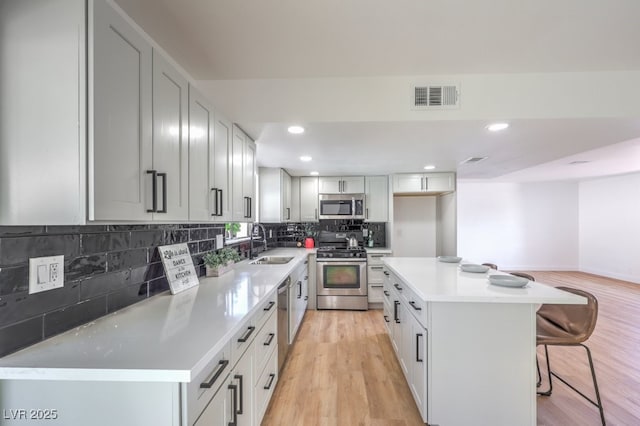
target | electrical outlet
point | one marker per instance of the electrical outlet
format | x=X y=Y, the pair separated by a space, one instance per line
x=45 y=273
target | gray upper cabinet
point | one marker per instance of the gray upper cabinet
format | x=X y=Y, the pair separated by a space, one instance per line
x=435 y=183
x=308 y=199
x=120 y=137
x=138 y=156
x=209 y=149
x=243 y=170
x=376 y=198
x=42 y=112
x=222 y=168
x=341 y=184
x=275 y=195
x=170 y=141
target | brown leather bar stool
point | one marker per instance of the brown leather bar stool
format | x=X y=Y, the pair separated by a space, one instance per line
x=569 y=325
x=491 y=265
x=523 y=275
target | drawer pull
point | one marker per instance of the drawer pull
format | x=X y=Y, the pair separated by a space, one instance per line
x=413 y=305
x=272 y=376
x=386 y=273
x=221 y=366
x=376 y=285
x=386 y=318
x=377 y=268
x=386 y=293
x=244 y=338
x=269 y=339
x=396 y=285
x=271 y=304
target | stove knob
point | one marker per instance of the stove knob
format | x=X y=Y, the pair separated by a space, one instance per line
x=330 y=254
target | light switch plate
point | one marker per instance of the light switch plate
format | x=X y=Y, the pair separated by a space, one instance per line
x=45 y=273
x=219 y=241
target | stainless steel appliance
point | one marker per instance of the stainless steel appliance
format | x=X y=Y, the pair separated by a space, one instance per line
x=283 y=322
x=341 y=206
x=341 y=273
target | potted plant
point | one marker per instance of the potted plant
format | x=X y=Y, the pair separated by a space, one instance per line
x=232 y=229
x=217 y=263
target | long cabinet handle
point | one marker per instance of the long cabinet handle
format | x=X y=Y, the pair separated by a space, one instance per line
x=244 y=338
x=269 y=306
x=240 y=391
x=215 y=201
x=316 y=214
x=272 y=376
x=250 y=206
x=426 y=183
x=299 y=289
x=288 y=213
x=219 y=369
x=413 y=305
x=154 y=191
x=418 y=336
x=366 y=213
x=164 y=192
x=269 y=339
x=234 y=405
x=396 y=303
x=221 y=201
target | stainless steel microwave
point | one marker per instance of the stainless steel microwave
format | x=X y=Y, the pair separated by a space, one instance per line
x=341 y=206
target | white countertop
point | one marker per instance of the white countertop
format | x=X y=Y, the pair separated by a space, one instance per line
x=435 y=281
x=376 y=250
x=166 y=338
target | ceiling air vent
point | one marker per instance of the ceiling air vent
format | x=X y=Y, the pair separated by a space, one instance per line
x=473 y=160
x=435 y=97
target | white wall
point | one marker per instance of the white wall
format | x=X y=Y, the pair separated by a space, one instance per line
x=609 y=217
x=525 y=226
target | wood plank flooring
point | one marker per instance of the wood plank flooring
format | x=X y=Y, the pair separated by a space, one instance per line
x=342 y=369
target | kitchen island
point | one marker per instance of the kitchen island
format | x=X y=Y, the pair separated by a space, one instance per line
x=467 y=347
x=158 y=362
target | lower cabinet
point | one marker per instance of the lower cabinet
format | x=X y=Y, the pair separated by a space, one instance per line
x=298 y=298
x=221 y=408
x=375 y=276
x=408 y=337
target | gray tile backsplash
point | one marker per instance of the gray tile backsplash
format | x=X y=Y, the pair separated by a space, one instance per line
x=107 y=267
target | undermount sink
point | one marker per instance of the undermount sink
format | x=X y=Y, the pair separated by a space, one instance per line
x=272 y=260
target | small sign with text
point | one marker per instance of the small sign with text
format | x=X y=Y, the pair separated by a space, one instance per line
x=178 y=267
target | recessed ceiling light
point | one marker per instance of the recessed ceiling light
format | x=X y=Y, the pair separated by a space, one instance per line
x=429 y=167
x=305 y=158
x=296 y=130
x=314 y=173
x=496 y=127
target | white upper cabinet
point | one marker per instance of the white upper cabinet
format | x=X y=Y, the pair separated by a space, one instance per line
x=275 y=195
x=434 y=183
x=138 y=146
x=341 y=184
x=308 y=199
x=170 y=141
x=243 y=166
x=120 y=137
x=42 y=112
x=222 y=169
x=295 y=199
x=202 y=193
x=376 y=198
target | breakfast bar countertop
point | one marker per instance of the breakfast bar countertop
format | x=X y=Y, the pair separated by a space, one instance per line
x=435 y=281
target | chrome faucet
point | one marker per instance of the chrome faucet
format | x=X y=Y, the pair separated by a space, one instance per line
x=264 y=238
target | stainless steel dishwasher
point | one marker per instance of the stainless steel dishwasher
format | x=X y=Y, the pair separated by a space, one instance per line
x=283 y=322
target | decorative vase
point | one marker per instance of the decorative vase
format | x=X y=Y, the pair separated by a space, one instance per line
x=309 y=242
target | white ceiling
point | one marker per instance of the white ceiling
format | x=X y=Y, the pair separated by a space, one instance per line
x=226 y=44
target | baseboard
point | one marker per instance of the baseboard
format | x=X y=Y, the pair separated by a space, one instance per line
x=623 y=277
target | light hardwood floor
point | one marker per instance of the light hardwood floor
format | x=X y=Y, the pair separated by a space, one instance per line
x=342 y=369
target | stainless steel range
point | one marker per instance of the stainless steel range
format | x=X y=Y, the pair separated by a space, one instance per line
x=341 y=272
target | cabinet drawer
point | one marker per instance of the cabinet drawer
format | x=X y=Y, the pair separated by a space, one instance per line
x=266 y=342
x=376 y=294
x=376 y=258
x=416 y=306
x=375 y=274
x=206 y=383
x=268 y=307
x=242 y=339
x=265 y=386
